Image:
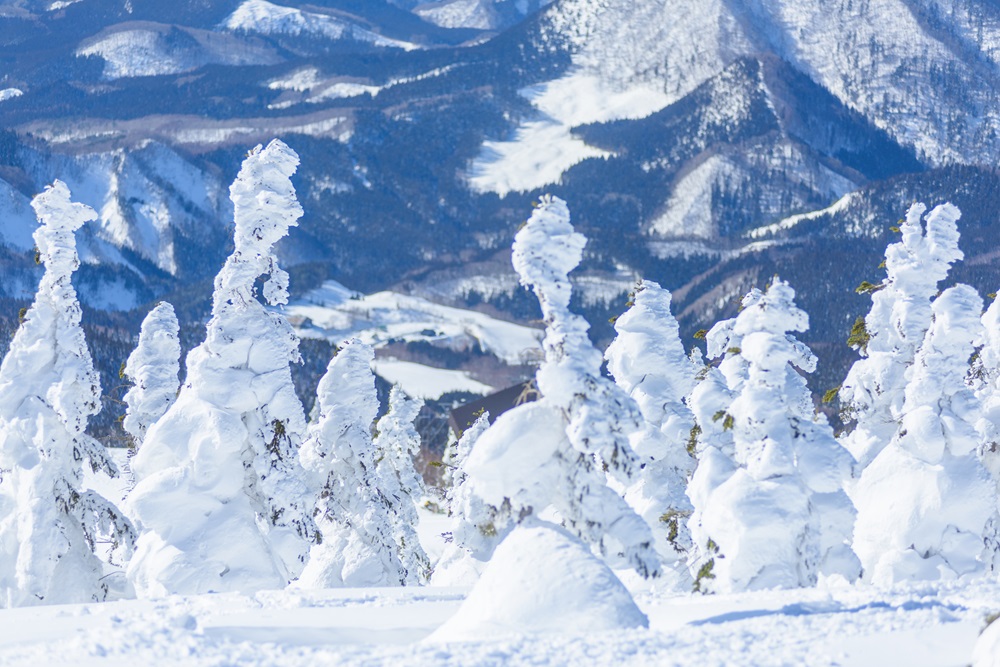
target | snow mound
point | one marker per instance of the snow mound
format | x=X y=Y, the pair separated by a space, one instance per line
x=542 y=579
x=10 y=93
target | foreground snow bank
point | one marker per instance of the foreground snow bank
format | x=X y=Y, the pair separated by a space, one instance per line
x=925 y=624
x=542 y=579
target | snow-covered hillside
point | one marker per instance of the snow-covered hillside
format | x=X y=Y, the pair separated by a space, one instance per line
x=144 y=49
x=267 y=18
x=336 y=313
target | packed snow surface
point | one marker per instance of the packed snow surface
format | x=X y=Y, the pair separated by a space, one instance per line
x=336 y=313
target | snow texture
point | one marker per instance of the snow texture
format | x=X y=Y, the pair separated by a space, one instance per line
x=873 y=392
x=540 y=580
x=648 y=361
x=354 y=503
x=769 y=506
x=220 y=496
x=48 y=389
x=924 y=502
x=554 y=452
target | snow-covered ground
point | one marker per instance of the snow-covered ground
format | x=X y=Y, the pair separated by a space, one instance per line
x=420 y=381
x=334 y=312
x=915 y=625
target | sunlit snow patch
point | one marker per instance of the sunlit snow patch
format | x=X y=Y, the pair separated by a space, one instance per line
x=266 y=18
x=336 y=313
x=543 y=148
x=10 y=93
x=421 y=381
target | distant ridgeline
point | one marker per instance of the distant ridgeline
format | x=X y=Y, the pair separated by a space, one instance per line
x=771 y=144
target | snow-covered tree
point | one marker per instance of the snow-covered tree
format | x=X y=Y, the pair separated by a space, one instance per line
x=476 y=526
x=894 y=328
x=396 y=444
x=220 y=496
x=48 y=391
x=152 y=368
x=924 y=502
x=559 y=451
x=770 y=509
x=355 y=507
x=648 y=360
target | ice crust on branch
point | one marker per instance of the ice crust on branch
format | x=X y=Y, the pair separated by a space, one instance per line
x=554 y=452
x=220 y=495
x=48 y=391
x=769 y=505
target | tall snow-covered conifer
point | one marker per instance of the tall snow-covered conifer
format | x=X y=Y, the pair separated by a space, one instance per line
x=924 y=502
x=476 y=526
x=356 y=508
x=48 y=390
x=554 y=452
x=220 y=496
x=647 y=359
x=894 y=328
x=396 y=444
x=770 y=509
x=152 y=368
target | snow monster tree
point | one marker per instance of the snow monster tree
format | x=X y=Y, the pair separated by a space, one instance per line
x=220 y=497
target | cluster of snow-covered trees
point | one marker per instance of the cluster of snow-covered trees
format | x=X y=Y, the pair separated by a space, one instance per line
x=716 y=476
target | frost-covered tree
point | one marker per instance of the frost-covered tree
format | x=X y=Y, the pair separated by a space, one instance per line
x=48 y=390
x=986 y=382
x=648 y=360
x=220 y=496
x=770 y=509
x=559 y=451
x=396 y=444
x=152 y=368
x=888 y=337
x=355 y=506
x=924 y=502
x=476 y=526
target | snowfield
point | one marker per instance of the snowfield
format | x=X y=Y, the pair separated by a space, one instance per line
x=917 y=625
x=336 y=313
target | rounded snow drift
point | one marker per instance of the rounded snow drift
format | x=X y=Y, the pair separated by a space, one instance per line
x=542 y=579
